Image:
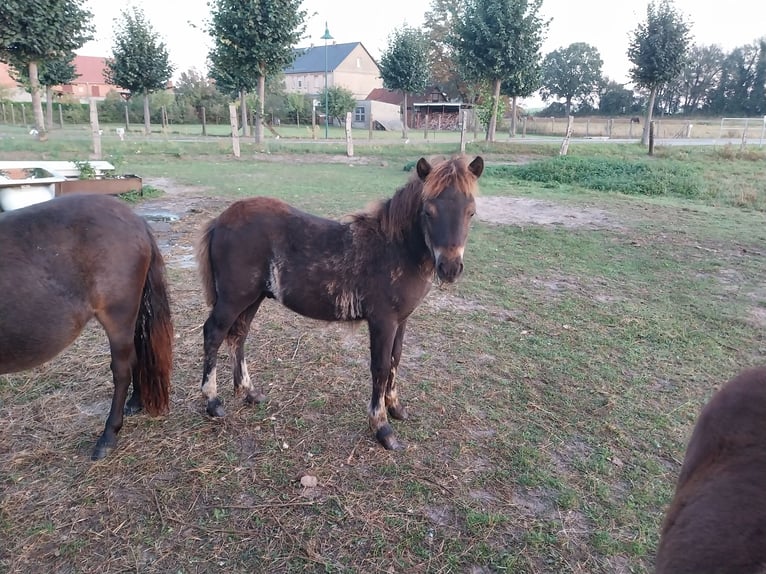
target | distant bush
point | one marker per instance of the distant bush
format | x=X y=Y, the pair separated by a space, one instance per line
x=639 y=177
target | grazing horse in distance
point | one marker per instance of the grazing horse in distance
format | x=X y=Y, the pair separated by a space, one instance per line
x=716 y=522
x=376 y=267
x=75 y=257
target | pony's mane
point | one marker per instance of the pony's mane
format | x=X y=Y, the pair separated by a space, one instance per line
x=396 y=215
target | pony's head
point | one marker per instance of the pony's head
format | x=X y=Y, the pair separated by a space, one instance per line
x=449 y=190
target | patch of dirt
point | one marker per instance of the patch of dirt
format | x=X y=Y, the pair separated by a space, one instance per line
x=525 y=211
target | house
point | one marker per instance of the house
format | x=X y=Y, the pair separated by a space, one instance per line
x=347 y=65
x=89 y=83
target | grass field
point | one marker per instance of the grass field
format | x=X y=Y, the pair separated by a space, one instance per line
x=552 y=389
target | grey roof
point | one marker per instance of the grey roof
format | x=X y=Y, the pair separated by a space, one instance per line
x=312 y=60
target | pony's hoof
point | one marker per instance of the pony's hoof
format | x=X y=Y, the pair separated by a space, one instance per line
x=387 y=438
x=398 y=412
x=215 y=408
x=255 y=398
x=132 y=407
x=102 y=450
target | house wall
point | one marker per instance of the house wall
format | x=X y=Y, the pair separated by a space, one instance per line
x=358 y=73
x=307 y=83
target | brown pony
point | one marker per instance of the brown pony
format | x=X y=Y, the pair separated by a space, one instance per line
x=716 y=523
x=377 y=266
x=73 y=258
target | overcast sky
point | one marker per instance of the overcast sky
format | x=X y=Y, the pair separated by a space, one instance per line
x=605 y=24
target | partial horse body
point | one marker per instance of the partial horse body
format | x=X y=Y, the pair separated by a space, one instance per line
x=73 y=258
x=716 y=522
x=376 y=267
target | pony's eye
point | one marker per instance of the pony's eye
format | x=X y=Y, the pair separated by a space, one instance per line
x=471 y=213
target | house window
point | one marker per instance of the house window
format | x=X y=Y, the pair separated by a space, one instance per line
x=358 y=62
x=359 y=115
x=300 y=83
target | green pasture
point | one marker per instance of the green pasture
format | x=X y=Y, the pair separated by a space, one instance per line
x=553 y=388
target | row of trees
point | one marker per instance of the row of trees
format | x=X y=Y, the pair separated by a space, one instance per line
x=482 y=51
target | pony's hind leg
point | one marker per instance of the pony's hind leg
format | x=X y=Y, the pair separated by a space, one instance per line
x=236 y=340
x=395 y=407
x=123 y=358
x=134 y=404
x=213 y=333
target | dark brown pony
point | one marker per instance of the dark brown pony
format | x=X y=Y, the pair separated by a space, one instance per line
x=377 y=266
x=716 y=523
x=73 y=258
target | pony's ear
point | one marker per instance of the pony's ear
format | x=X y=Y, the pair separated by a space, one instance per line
x=477 y=166
x=424 y=168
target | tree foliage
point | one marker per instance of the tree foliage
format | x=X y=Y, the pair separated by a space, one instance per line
x=658 y=50
x=438 y=23
x=572 y=73
x=35 y=31
x=140 y=61
x=340 y=101
x=404 y=64
x=253 y=40
x=499 y=42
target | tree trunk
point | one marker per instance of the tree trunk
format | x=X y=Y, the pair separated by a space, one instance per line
x=493 y=118
x=404 y=117
x=147 y=116
x=649 y=113
x=514 y=115
x=49 y=106
x=37 y=104
x=243 y=113
x=259 y=109
x=569 y=107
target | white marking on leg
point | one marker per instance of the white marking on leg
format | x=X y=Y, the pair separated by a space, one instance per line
x=210 y=385
x=377 y=415
x=246 y=384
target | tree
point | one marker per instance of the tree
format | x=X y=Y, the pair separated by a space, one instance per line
x=499 y=41
x=253 y=40
x=340 y=101
x=404 y=65
x=35 y=31
x=572 y=73
x=140 y=61
x=58 y=72
x=197 y=92
x=615 y=99
x=700 y=76
x=438 y=23
x=658 y=51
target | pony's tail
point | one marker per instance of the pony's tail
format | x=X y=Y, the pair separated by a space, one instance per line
x=204 y=265
x=154 y=339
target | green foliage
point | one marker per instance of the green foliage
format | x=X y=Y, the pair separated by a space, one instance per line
x=633 y=177
x=56 y=72
x=195 y=91
x=572 y=73
x=298 y=108
x=340 y=101
x=486 y=106
x=438 y=22
x=659 y=46
x=39 y=30
x=252 y=40
x=616 y=99
x=501 y=39
x=404 y=63
x=140 y=61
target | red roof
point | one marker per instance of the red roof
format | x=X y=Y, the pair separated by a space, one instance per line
x=386 y=96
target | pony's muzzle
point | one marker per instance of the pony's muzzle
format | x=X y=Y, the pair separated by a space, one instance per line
x=448 y=269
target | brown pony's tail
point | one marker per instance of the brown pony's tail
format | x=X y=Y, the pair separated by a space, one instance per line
x=154 y=339
x=203 y=263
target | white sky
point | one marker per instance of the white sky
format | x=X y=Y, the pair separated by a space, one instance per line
x=605 y=24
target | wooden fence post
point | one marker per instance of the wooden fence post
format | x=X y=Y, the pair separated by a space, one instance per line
x=13 y=114
x=524 y=127
x=234 y=129
x=651 y=137
x=204 y=122
x=369 y=135
x=61 y=118
x=349 y=137
x=94 y=129
x=567 y=136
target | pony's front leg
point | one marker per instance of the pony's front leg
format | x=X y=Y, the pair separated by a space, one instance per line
x=382 y=336
x=123 y=357
x=395 y=407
